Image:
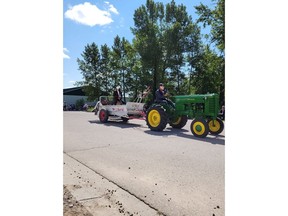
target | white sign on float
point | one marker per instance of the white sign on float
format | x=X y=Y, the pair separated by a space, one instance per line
x=118 y=110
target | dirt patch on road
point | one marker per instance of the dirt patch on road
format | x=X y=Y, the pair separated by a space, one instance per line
x=71 y=207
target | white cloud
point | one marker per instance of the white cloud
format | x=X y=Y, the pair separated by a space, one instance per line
x=91 y=15
x=112 y=8
x=65 y=56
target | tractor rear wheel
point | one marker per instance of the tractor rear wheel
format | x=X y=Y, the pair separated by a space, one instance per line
x=156 y=118
x=215 y=126
x=103 y=115
x=180 y=122
x=199 y=127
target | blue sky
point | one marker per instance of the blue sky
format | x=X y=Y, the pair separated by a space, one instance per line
x=100 y=21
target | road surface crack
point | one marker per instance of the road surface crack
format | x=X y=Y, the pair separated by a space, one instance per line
x=97 y=147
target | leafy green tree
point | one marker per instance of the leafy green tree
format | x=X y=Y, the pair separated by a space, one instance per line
x=167 y=47
x=121 y=60
x=208 y=74
x=90 y=67
x=134 y=79
x=215 y=18
x=115 y=61
x=176 y=40
x=162 y=41
x=106 y=69
x=194 y=53
x=149 y=38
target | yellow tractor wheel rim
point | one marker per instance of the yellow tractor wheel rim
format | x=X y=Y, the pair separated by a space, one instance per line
x=177 y=121
x=154 y=118
x=199 y=128
x=214 y=126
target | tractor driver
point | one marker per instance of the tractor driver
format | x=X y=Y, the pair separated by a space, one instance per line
x=160 y=94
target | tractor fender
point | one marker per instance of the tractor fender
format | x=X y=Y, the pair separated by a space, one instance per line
x=158 y=105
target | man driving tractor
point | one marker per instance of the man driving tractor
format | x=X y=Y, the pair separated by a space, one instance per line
x=160 y=94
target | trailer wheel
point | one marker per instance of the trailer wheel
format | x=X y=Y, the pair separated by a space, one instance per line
x=180 y=122
x=215 y=126
x=199 y=127
x=103 y=115
x=156 y=118
x=96 y=111
x=124 y=119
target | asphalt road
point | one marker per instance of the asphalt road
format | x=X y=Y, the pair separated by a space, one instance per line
x=171 y=171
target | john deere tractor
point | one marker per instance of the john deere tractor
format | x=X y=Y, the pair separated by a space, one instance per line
x=203 y=109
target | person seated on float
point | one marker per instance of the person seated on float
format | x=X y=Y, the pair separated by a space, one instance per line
x=117 y=95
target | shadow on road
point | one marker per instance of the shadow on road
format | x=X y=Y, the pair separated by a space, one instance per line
x=213 y=139
x=115 y=123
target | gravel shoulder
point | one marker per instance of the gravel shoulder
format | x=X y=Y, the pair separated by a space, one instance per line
x=87 y=193
x=71 y=207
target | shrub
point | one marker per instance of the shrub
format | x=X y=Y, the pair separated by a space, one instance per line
x=79 y=104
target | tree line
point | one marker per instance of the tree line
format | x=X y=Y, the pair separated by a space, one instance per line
x=167 y=47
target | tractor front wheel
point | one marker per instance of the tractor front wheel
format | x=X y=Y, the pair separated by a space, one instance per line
x=180 y=122
x=156 y=118
x=215 y=126
x=199 y=128
x=103 y=115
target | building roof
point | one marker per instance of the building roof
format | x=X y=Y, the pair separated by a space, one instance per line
x=74 y=91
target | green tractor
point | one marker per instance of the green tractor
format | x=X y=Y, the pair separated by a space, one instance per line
x=203 y=109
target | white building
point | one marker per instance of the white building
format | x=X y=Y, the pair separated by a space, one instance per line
x=71 y=95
